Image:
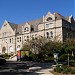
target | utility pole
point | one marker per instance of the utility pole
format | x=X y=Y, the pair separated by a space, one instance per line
x=68 y=59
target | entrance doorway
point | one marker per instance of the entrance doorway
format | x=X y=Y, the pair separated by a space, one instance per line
x=3 y=49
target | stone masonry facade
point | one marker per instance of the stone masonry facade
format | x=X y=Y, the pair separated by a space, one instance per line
x=13 y=36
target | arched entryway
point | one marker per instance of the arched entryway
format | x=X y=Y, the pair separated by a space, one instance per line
x=3 y=49
x=11 y=49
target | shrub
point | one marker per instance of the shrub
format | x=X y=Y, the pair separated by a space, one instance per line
x=64 y=70
x=63 y=57
x=6 y=56
x=58 y=69
x=72 y=71
x=72 y=63
x=49 y=59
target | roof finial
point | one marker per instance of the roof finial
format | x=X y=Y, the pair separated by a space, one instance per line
x=71 y=15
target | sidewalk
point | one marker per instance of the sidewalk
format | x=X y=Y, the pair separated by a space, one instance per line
x=41 y=70
x=36 y=68
x=12 y=59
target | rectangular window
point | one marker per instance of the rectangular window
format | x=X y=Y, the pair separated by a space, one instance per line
x=10 y=40
x=51 y=34
x=47 y=25
x=25 y=40
x=32 y=37
x=20 y=39
x=27 y=36
x=35 y=36
x=3 y=34
x=17 y=39
x=6 y=40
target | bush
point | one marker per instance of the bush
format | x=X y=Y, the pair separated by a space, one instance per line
x=58 y=69
x=33 y=57
x=63 y=57
x=72 y=71
x=72 y=63
x=64 y=70
x=6 y=56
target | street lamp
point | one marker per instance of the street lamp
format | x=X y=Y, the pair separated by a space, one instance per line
x=68 y=59
x=56 y=58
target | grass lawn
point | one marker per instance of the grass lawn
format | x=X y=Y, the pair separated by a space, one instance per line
x=55 y=73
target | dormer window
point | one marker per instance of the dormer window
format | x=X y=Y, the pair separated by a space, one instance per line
x=49 y=18
x=26 y=29
x=32 y=28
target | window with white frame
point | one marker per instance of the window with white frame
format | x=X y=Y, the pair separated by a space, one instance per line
x=47 y=34
x=49 y=19
x=10 y=40
x=17 y=39
x=27 y=38
x=20 y=39
x=51 y=24
x=4 y=34
x=6 y=40
x=26 y=29
x=47 y=25
x=33 y=37
x=51 y=34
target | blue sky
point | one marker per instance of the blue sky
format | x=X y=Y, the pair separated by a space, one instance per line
x=19 y=11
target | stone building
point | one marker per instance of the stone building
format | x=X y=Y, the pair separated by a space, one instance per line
x=53 y=26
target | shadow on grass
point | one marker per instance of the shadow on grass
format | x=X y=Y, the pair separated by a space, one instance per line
x=23 y=68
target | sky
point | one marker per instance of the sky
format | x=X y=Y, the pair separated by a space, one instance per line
x=19 y=11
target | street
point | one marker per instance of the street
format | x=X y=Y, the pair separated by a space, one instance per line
x=25 y=68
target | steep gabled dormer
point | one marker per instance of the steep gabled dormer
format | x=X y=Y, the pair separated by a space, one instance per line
x=26 y=28
x=6 y=29
x=49 y=17
x=48 y=20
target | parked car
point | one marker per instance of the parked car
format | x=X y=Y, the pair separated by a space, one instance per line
x=2 y=60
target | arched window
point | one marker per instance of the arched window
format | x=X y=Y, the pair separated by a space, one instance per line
x=26 y=29
x=11 y=49
x=51 y=34
x=18 y=46
x=10 y=40
x=49 y=18
x=47 y=34
x=3 y=50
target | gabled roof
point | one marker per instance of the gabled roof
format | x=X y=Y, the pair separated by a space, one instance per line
x=59 y=16
x=33 y=23
x=67 y=18
x=13 y=26
x=19 y=28
x=36 y=22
